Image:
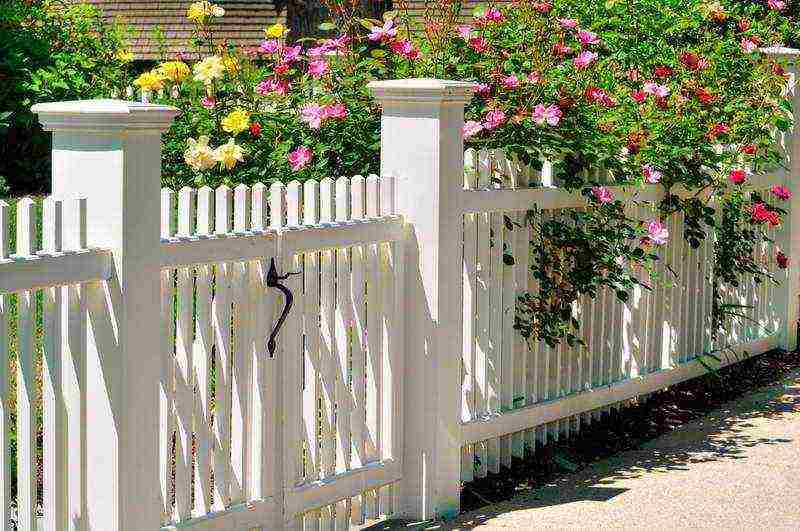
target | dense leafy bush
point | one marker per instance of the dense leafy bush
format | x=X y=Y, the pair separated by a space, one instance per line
x=49 y=51
x=664 y=92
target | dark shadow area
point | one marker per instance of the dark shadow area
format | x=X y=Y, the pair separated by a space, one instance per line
x=639 y=439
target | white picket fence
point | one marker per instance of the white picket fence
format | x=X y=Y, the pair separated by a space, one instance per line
x=398 y=374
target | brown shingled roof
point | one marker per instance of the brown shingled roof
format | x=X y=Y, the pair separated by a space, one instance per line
x=243 y=23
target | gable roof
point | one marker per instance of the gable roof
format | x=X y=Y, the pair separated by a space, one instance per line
x=243 y=23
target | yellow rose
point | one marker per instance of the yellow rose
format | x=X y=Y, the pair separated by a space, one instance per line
x=150 y=81
x=199 y=156
x=276 y=31
x=126 y=56
x=209 y=69
x=236 y=122
x=199 y=11
x=231 y=64
x=228 y=155
x=175 y=71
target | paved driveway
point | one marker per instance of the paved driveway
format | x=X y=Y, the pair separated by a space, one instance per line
x=737 y=468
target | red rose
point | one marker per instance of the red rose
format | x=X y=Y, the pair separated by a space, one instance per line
x=705 y=97
x=749 y=149
x=639 y=96
x=663 y=72
x=782 y=259
x=543 y=7
x=737 y=176
x=693 y=61
x=255 y=129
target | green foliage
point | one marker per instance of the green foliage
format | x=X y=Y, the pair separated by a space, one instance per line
x=49 y=51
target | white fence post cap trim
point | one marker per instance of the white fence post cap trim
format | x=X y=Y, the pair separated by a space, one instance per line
x=781 y=51
x=104 y=115
x=422 y=90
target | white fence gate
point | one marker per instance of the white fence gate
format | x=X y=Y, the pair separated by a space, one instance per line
x=139 y=332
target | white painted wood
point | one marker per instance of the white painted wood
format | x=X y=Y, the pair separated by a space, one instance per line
x=483 y=271
x=166 y=430
x=222 y=316
x=54 y=429
x=241 y=372
x=26 y=378
x=184 y=386
x=343 y=314
x=469 y=286
x=508 y=363
x=374 y=333
x=604 y=396
x=109 y=152
x=203 y=351
x=421 y=142
x=494 y=375
x=357 y=330
x=28 y=273
x=311 y=355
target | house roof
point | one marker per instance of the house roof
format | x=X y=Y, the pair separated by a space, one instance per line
x=243 y=23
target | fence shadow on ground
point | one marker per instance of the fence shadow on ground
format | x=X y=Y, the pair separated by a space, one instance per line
x=723 y=434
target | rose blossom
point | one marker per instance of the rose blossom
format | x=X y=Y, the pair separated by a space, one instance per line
x=299 y=158
x=278 y=86
x=603 y=194
x=639 y=96
x=384 y=33
x=748 y=46
x=585 y=59
x=470 y=129
x=657 y=233
x=550 y=114
x=255 y=129
x=479 y=44
x=493 y=15
x=737 y=176
x=511 y=81
x=483 y=89
x=660 y=91
x=269 y=47
x=208 y=103
x=534 y=77
x=494 y=119
x=568 y=23
x=313 y=115
x=749 y=149
x=651 y=175
x=587 y=37
x=336 y=111
x=781 y=192
x=759 y=214
x=290 y=54
x=464 y=31
x=662 y=72
x=777 y=5
x=318 y=68
x=782 y=260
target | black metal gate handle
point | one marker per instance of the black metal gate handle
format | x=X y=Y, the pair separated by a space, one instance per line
x=273 y=281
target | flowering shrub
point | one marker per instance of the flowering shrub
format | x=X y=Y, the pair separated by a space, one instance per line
x=662 y=92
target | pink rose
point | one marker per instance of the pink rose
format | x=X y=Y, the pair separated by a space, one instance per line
x=534 y=77
x=550 y=114
x=278 y=86
x=585 y=59
x=337 y=111
x=748 y=46
x=657 y=233
x=208 y=103
x=479 y=44
x=568 y=23
x=493 y=15
x=470 y=129
x=313 y=115
x=299 y=158
x=603 y=194
x=483 y=89
x=781 y=192
x=384 y=33
x=587 y=37
x=318 y=68
x=639 y=96
x=511 y=81
x=494 y=119
x=661 y=91
x=651 y=175
x=291 y=53
x=269 y=47
x=464 y=31
x=777 y=5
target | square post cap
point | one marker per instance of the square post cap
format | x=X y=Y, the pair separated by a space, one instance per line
x=105 y=116
x=422 y=90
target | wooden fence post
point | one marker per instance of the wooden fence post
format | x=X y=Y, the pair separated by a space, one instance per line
x=787 y=303
x=421 y=145
x=109 y=152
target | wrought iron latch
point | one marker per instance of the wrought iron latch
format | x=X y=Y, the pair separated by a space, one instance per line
x=273 y=281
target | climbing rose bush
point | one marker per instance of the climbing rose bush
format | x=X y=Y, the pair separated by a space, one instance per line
x=667 y=93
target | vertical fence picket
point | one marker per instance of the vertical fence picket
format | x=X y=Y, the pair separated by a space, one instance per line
x=483 y=300
x=329 y=357
x=184 y=387
x=241 y=370
x=507 y=327
x=495 y=354
x=54 y=429
x=311 y=354
x=221 y=321
x=26 y=378
x=343 y=315
x=359 y=326
x=372 y=332
x=469 y=282
x=167 y=381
